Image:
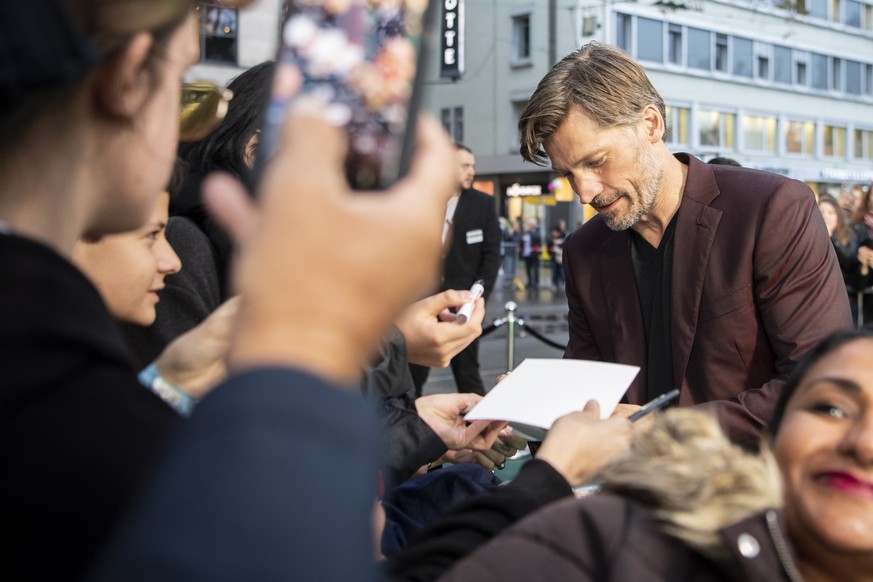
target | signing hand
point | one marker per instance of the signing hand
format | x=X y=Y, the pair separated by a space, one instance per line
x=434 y=342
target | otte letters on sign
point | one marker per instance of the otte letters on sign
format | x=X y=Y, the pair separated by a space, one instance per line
x=452 y=40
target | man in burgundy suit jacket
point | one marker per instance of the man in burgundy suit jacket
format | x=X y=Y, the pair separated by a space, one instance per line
x=712 y=279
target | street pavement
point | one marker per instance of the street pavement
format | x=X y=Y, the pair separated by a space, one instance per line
x=544 y=310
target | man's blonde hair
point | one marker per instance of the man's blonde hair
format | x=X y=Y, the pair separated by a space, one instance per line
x=603 y=80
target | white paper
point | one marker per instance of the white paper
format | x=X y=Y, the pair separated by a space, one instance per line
x=540 y=391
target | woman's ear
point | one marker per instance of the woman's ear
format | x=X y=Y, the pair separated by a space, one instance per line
x=124 y=82
x=251 y=148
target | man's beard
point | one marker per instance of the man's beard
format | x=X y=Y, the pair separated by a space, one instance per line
x=646 y=189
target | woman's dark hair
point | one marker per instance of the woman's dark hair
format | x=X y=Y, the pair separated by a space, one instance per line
x=865 y=206
x=827 y=346
x=842 y=232
x=225 y=147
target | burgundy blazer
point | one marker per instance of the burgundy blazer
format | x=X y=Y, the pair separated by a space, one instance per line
x=755 y=285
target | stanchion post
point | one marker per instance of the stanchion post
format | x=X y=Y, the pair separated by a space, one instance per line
x=510 y=307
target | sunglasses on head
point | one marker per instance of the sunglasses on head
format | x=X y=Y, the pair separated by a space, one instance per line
x=204 y=105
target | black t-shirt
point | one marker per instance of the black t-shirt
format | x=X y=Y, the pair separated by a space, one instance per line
x=653 y=268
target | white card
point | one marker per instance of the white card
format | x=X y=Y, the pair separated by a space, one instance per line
x=540 y=391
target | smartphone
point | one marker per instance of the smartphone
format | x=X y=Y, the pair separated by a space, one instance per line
x=365 y=60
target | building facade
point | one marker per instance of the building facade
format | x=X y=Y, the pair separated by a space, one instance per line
x=784 y=86
x=780 y=85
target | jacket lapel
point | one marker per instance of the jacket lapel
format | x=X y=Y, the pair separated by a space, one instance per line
x=696 y=226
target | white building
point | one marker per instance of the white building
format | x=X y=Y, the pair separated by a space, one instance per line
x=785 y=86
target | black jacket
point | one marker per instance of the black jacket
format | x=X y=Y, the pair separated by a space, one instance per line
x=473 y=251
x=79 y=433
x=408 y=442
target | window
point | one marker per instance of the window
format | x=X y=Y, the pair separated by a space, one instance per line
x=799 y=137
x=721 y=52
x=650 y=40
x=836 y=74
x=716 y=129
x=452 y=119
x=782 y=65
x=623 y=32
x=677 y=125
x=521 y=39
x=763 y=71
x=863 y=144
x=868 y=80
x=852 y=16
x=817 y=8
x=518 y=107
x=759 y=133
x=835 y=10
x=833 y=141
x=674 y=44
x=800 y=74
x=853 y=77
x=819 y=71
x=742 y=57
x=699 y=49
x=218 y=33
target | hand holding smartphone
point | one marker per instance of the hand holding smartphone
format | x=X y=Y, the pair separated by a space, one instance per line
x=363 y=59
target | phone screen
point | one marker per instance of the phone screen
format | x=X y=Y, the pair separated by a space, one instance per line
x=363 y=59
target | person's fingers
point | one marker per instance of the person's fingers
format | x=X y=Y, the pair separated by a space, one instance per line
x=512 y=439
x=230 y=205
x=486 y=435
x=592 y=406
x=466 y=401
x=478 y=314
x=495 y=457
x=447 y=316
x=624 y=410
x=503 y=448
x=455 y=297
x=483 y=460
x=220 y=322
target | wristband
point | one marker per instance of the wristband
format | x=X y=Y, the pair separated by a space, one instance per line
x=175 y=396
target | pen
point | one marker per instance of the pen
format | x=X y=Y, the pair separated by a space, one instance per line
x=467 y=308
x=659 y=402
